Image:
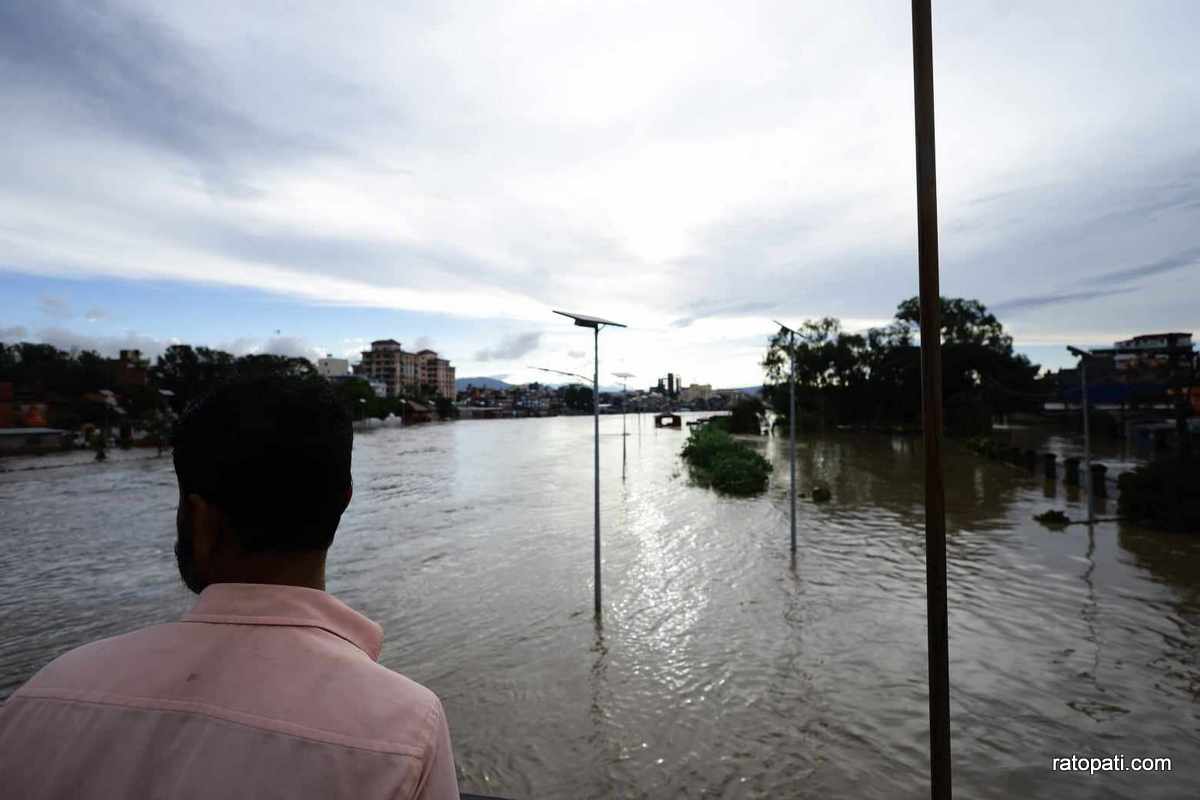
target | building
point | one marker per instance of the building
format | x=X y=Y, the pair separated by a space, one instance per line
x=330 y=367
x=436 y=372
x=129 y=369
x=1148 y=352
x=402 y=372
x=697 y=392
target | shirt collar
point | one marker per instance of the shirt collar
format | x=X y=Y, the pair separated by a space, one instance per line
x=271 y=604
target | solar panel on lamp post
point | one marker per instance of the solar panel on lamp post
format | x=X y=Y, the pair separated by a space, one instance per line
x=1083 y=356
x=595 y=323
x=624 y=376
x=791 y=419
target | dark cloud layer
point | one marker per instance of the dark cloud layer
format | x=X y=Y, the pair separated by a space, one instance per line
x=511 y=347
x=1055 y=299
x=127 y=74
x=1182 y=260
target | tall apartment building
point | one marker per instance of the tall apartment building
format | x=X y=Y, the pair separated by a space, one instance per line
x=404 y=372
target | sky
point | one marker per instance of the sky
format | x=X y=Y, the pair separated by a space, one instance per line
x=302 y=178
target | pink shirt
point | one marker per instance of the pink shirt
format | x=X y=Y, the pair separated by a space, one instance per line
x=260 y=691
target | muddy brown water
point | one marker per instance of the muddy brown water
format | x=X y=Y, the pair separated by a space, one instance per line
x=723 y=668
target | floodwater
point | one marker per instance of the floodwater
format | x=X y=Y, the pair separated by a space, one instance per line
x=723 y=668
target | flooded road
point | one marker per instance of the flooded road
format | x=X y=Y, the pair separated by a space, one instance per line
x=723 y=668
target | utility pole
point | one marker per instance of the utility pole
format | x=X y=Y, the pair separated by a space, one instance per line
x=791 y=422
x=931 y=392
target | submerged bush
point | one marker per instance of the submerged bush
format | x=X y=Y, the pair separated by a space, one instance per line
x=1163 y=494
x=718 y=460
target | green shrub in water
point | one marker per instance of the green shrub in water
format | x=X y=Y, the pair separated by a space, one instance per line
x=718 y=460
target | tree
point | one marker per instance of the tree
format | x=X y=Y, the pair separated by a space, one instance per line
x=189 y=372
x=445 y=408
x=874 y=378
x=746 y=416
x=578 y=397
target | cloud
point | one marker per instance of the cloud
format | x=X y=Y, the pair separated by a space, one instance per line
x=54 y=307
x=290 y=346
x=511 y=347
x=423 y=343
x=704 y=311
x=110 y=346
x=692 y=181
x=124 y=73
x=1055 y=299
x=1181 y=260
x=95 y=314
x=1186 y=258
x=13 y=333
x=576 y=354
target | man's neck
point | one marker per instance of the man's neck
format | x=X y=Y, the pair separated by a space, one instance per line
x=293 y=569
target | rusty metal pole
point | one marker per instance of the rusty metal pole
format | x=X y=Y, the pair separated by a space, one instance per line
x=931 y=393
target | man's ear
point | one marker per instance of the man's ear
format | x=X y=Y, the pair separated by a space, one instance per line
x=208 y=529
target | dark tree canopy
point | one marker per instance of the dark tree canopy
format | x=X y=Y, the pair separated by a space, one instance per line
x=874 y=378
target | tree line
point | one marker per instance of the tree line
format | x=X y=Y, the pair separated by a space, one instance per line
x=873 y=378
x=69 y=382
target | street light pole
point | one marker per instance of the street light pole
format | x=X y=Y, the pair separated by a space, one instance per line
x=792 y=421
x=792 y=432
x=595 y=323
x=1084 y=355
x=596 y=453
x=624 y=376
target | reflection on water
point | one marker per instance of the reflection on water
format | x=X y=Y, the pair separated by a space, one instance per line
x=722 y=667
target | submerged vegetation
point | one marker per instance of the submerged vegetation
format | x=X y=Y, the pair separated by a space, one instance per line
x=1053 y=519
x=718 y=460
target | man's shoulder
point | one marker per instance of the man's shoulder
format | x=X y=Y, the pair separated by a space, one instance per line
x=319 y=682
x=87 y=662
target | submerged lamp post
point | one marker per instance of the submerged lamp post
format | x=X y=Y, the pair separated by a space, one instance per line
x=1083 y=356
x=595 y=323
x=792 y=419
x=624 y=376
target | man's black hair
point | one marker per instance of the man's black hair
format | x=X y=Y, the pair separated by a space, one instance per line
x=273 y=453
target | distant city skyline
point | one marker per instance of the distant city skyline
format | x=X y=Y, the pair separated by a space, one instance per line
x=446 y=175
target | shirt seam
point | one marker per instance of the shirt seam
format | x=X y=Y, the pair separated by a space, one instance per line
x=242 y=718
x=285 y=622
x=433 y=722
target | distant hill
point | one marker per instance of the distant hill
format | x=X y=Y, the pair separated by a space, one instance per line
x=756 y=391
x=460 y=384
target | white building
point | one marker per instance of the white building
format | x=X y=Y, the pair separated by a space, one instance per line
x=330 y=367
